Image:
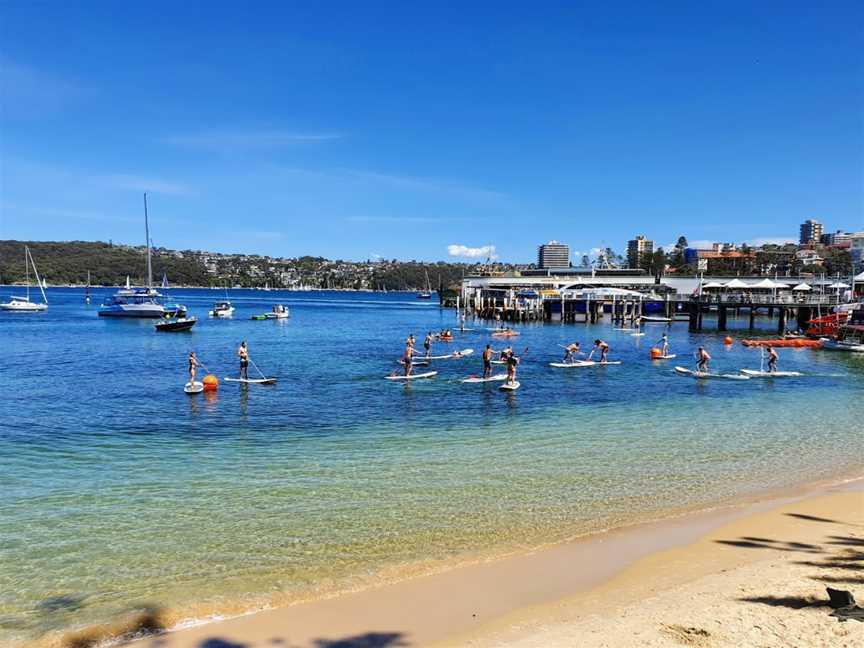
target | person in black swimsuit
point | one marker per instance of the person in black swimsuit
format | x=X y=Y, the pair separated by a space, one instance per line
x=243 y=353
x=193 y=367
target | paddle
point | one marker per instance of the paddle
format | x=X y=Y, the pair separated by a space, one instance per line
x=252 y=362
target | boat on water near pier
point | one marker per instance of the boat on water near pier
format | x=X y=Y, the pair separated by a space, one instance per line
x=849 y=338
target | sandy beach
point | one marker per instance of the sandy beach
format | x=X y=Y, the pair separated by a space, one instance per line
x=749 y=575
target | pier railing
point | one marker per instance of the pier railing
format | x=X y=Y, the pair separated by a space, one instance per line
x=744 y=299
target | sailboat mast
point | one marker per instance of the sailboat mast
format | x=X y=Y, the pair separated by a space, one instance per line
x=36 y=273
x=27 y=271
x=147 y=243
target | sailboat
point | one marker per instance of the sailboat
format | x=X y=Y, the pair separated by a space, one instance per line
x=425 y=294
x=23 y=304
x=137 y=302
x=87 y=289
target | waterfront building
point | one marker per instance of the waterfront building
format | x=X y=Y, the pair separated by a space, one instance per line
x=856 y=250
x=811 y=232
x=553 y=255
x=638 y=251
x=722 y=257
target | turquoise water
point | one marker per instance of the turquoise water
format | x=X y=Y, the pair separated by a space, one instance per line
x=119 y=491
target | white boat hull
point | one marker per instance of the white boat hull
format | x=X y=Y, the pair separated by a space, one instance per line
x=23 y=306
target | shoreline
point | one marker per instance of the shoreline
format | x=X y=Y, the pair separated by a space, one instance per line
x=483 y=595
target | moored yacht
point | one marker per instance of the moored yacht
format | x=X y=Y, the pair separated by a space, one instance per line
x=140 y=302
x=23 y=304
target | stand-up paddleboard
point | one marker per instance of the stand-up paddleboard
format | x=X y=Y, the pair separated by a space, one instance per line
x=456 y=354
x=770 y=374
x=478 y=379
x=582 y=363
x=193 y=388
x=252 y=381
x=510 y=386
x=702 y=375
x=498 y=361
x=428 y=374
x=666 y=357
x=636 y=334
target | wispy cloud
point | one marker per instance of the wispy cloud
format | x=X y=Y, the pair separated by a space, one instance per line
x=398 y=219
x=13 y=211
x=247 y=141
x=425 y=185
x=770 y=240
x=133 y=182
x=28 y=90
x=466 y=252
x=412 y=184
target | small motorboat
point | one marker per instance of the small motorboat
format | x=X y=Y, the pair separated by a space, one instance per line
x=222 y=309
x=174 y=324
x=279 y=311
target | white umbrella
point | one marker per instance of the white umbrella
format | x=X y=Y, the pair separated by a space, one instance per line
x=767 y=284
x=838 y=285
x=736 y=283
x=858 y=278
x=802 y=287
x=713 y=284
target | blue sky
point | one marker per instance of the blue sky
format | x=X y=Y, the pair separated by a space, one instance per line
x=358 y=129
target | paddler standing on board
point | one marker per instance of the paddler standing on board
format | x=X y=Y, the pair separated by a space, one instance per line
x=603 y=348
x=462 y=322
x=408 y=356
x=703 y=358
x=773 y=357
x=512 y=362
x=427 y=344
x=570 y=352
x=506 y=352
x=193 y=368
x=243 y=354
x=664 y=345
x=488 y=352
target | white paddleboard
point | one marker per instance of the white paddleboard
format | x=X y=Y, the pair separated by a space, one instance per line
x=428 y=374
x=702 y=376
x=457 y=354
x=498 y=361
x=507 y=386
x=666 y=357
x=767 y=374
x=582 y=363
x=477 y=379
x=193 y=388
x=636 y=334
x=252 y=381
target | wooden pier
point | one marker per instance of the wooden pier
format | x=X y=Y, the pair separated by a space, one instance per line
x=554 y=306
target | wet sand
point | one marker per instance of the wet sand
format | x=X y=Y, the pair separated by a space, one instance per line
x=741 y=575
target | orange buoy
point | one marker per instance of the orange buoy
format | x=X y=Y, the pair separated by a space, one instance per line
x=655 y=353
x=211 y=382
x=727 y=340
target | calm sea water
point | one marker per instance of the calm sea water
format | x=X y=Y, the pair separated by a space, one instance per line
x=117 y=490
